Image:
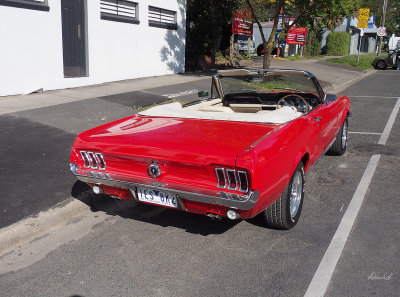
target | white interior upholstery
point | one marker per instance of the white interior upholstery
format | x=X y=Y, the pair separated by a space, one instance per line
x=214 y=110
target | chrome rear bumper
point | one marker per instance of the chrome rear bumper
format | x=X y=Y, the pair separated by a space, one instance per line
x=234 y=201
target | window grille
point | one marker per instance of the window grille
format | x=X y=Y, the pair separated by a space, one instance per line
x=162 y=18
x=119 y=10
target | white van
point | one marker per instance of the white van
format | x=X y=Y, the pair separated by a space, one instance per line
x=393 y=43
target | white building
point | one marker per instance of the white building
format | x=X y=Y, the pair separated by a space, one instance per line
x=55 y=44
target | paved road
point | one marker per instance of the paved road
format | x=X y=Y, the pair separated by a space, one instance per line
x=36 y=144
x=140 y=250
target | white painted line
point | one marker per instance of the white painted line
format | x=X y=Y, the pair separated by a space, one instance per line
x=389 y=124
x=365 y=133
x=323 y=275
x=181 y=94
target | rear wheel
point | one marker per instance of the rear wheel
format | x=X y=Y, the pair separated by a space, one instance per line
x=381 y=65
x=285 y=212
x=339 y=146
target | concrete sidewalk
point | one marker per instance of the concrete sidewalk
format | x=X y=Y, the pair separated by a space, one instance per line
x=10 y=104
x=333 y=78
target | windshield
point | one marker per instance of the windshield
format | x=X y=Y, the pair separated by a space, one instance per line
x=266 y=83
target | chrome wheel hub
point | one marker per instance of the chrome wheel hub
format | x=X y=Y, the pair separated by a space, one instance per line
x=296 y=194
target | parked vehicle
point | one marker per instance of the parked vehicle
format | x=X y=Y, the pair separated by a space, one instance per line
x=387 y=61
x=393 y=43
x=243 y=43
x=240 y=153
x=260 y=50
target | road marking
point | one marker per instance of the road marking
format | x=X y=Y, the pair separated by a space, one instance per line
x=323 y=275
x=389 y=124
x=181 y=94
x=365 y=133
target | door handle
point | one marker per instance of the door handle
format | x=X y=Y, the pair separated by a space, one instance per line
x=79 y=31
x=317 y=119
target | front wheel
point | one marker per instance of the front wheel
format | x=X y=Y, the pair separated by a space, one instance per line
x=339 y=146
x=381 y=65
x=285 y=212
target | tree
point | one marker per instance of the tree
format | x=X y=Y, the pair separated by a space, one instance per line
x=392 y=21
x=306 y=12
x=204 y=21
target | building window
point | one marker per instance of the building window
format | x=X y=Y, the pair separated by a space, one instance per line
x=120 y=11
x=28 y=4
x=162 y=18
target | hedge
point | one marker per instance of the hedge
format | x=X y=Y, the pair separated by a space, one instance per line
x=338 y=44
x=313 y=45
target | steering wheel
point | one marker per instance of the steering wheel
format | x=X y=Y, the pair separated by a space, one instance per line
x=283 y=102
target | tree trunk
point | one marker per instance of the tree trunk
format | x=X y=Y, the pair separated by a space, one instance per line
x=268 y=45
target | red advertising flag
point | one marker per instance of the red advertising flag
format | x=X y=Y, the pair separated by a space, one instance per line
x=296 y=35
x=242 y=22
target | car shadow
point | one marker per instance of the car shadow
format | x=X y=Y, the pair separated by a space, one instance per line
x=192 y=223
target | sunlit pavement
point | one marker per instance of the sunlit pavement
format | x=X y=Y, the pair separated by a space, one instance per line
x=140 y=250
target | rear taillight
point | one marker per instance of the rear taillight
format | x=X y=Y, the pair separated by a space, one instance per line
x=93 y=160
x=232 y=179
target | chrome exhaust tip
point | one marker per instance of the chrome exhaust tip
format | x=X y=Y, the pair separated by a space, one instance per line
x=214 y=216
x=116 y=197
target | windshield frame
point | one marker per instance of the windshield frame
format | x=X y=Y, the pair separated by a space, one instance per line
x=217 y=86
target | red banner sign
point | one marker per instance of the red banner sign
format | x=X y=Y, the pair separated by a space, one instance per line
x=242 y=23
x=296 y=35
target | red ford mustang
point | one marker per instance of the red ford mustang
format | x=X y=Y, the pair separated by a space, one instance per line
x=242 y=152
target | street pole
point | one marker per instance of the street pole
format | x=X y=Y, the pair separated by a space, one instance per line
x=383 y=25
x=359 y=44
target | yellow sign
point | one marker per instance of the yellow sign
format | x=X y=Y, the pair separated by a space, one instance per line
x=363 y=16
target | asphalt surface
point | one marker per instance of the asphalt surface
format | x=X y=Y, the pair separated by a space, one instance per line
x=36 y=144
x=141 y=250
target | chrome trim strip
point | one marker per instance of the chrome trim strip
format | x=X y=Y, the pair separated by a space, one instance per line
x=240 y=181
x=247 y=203
x=217 y=83
x=223 y=173
x=86 y=161
x=229 y=179
x=101 y=161
x=93 y=161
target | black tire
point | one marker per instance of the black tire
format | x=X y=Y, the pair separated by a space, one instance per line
x=381 y=65
x=279 y=214
x=339 y=146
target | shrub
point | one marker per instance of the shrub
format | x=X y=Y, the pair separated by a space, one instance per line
x=338 y=43
x=313 y=45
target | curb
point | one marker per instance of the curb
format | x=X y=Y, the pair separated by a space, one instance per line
x=341 y=87
x=34 y=226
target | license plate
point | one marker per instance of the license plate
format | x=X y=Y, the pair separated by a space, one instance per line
x=157 y=197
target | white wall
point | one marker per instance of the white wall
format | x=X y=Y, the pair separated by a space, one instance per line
x=31 y=55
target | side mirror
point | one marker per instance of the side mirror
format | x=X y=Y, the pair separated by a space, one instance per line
x=202 y=93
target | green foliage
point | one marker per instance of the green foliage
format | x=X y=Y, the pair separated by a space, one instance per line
x=307 y=13
x=313 y=44
x=204 y=21
x=392 y=21
x=365 y=61
x=338 y=44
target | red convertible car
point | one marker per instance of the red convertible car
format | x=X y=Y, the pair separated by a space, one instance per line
x=240 y=153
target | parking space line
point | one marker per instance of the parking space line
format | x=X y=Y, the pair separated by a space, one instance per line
x=389 y=124
x=180 y=94
x=323 y=275
x=365 y=133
